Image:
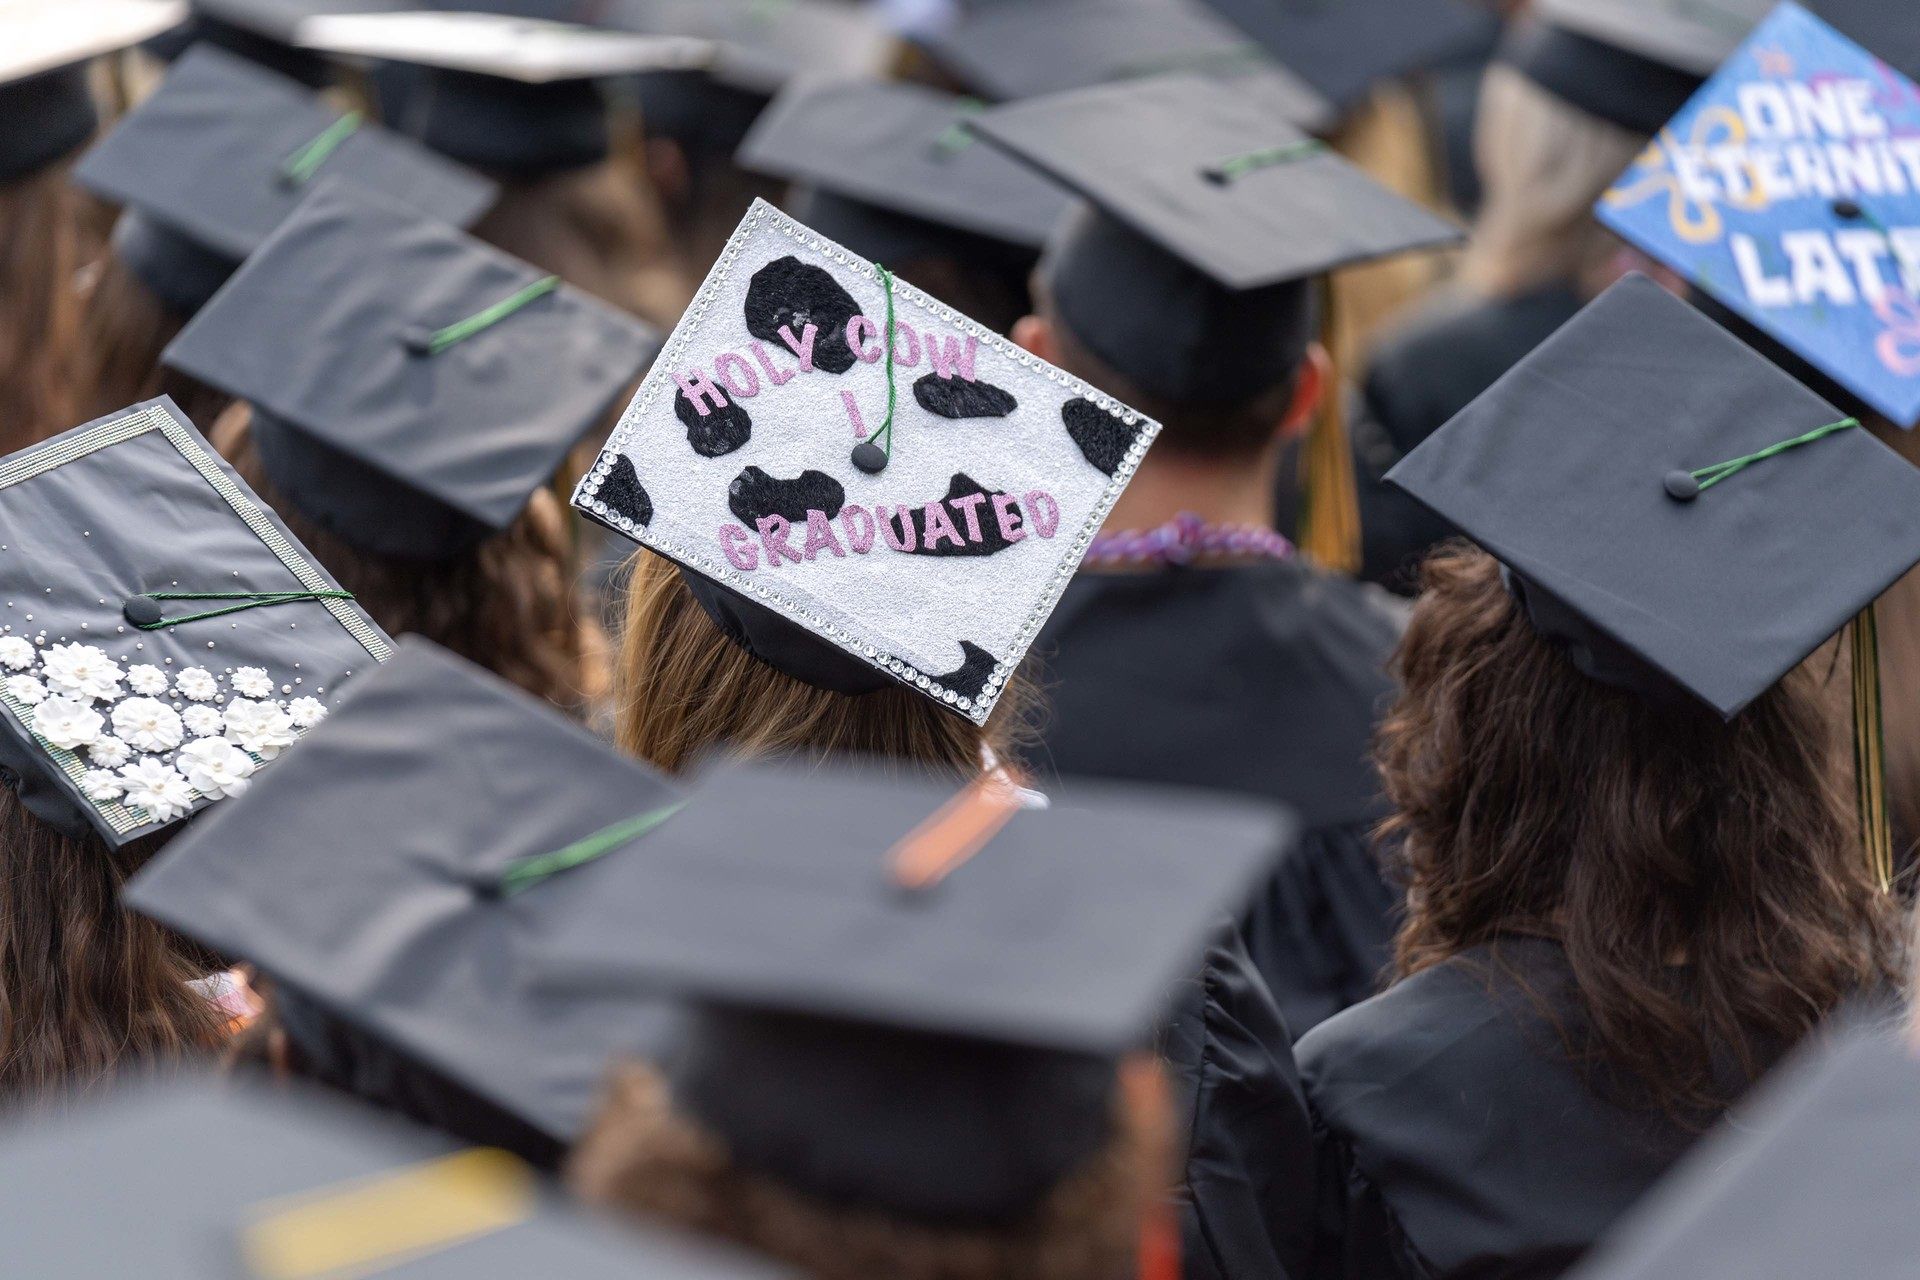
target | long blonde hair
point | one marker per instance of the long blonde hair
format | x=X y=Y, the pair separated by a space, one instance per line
x=682 y=688
x=1543 y=163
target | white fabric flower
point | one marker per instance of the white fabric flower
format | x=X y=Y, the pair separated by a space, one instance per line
x=253 y=682
x=158 y=788
x=147 y=679
x=109 y=752
x=26 y=689
x=102 y=784
x=306 y=712
x=17 y=653
x=66 y=723
x=203 y=722
x=216 y=768
x=196 y=684
x=147 y=724
x=81 y=671
x=259 y=727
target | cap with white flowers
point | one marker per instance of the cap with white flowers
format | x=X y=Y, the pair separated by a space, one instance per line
x=163 y=637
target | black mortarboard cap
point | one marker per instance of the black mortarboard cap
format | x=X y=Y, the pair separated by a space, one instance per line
x=1345 y=48
x=162 y=635
x=1592 y=471
x=1007 y=52
x=439 y=788
x=508 y=86
x=906 y=999
x=46 y=104
x=224 y=150
x=411 y=386
x=201 y=1178
x=263 y=32
x=1811 y=1176
x=891 y=171
x=1190 y=271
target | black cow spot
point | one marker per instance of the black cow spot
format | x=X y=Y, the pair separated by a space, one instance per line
x=1103 y=438
x=796 y=294
x=970 y=680
x=958 y=398
x=720 y=432
x=754 y=495
x=624 y=494
x=962 y=486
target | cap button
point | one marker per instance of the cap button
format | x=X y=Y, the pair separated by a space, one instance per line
x=1681 y=486
x=870 y=457
x=1850 y=210
x=141 y=611
x=418 y=339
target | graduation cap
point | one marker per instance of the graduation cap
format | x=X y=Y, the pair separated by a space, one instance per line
x=1190 y=269
x=224 y=150
x=758 y=49
x=199 y=1177
x=1811 y=1173
x=162 y=636
x=891 y=171
x=1779 y=190
x=1680 y=516
x=263 y=32
x=465 y=822
x=46 y=104
x=411 y=386
x=1344 y=48
x=510 y=87
x=905 y=998
x=1007 y=52
x=862 y=485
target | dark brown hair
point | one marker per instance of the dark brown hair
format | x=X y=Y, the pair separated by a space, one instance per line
x=124 y=328
x=643 y=1155
x=86 y=986
x=682 y=689
x=1706 y=880
x=40 y=317
x=506 y=604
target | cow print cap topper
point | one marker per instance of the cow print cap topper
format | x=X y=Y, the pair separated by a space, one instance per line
x=918 y=504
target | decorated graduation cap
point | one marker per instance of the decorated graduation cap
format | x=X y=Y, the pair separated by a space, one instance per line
x=891 y=171
x=512 y=89
x=163 y=638
x=1680 y=516
x=906 y=998
x=1190 y=269
x=1344 y=49
x=465 y=820
x=46 y=104
x=411 y=387
x=1812 y=1172
x=1007 y=52
x=862 y=486
x=1788 y=190
x=197 y=1178
x=224 y=150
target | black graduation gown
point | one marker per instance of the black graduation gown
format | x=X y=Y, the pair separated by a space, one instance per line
x=1264 y=679
x=1422 y=374
x=1455 y=1136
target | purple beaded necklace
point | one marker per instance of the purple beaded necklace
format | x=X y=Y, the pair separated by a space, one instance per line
x=1184 y=539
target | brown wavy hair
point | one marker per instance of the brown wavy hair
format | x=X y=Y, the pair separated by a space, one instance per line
x=507 y=604
x=40 y=318
x=124 y=328
x=86 y=986
x=682 y=689
x=1706 y=880
x=642 y=1155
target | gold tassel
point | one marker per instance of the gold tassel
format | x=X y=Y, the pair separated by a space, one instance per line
x=1329 y=526
x=1869 y=742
